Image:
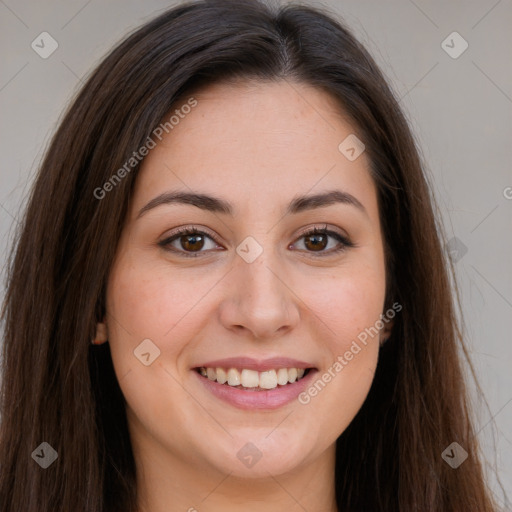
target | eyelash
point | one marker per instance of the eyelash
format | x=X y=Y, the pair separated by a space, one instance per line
x=345 y=243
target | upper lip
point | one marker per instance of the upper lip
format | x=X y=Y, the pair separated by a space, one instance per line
x=259 y=365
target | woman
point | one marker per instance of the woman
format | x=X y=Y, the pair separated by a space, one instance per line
x=236 y=216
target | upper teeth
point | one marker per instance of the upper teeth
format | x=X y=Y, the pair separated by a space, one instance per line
x=253 y=379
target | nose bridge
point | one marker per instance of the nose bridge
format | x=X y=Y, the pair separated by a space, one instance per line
x=262 y=289
x=259 y=300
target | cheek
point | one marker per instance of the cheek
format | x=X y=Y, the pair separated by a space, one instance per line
x=349 y=307
x=150 y=301
x=347 y=303
x=145 y=302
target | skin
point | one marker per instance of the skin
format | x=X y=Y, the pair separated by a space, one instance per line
x=257 y=146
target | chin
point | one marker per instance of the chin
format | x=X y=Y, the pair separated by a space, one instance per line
x=259 y=452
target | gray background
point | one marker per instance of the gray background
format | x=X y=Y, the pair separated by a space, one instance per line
x=459 y=108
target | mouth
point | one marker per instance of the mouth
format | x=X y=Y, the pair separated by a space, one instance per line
x=248 y=384
x=251 y=380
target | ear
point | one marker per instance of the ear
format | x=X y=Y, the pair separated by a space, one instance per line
x=386 y=331
x=101 y=334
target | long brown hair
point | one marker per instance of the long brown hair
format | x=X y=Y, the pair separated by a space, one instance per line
x=59 y=389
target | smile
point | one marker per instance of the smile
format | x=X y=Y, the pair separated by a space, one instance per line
x=252 y=384
x=252 y=380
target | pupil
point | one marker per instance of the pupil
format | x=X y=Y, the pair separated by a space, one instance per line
x=192 y=242
x=318 y=242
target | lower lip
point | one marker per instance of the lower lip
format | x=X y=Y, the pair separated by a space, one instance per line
x=271 y=399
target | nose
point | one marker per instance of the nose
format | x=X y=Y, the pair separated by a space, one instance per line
x=259 y=301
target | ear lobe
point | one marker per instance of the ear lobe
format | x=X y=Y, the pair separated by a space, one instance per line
x=101 y=334
x=386 y=331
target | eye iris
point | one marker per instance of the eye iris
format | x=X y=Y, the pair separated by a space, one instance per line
x=318 y=241
x=192 y=242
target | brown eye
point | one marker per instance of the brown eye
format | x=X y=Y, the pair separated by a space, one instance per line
x=189 y=242
x=192 y=242
x=323 y=242
x=315 y=242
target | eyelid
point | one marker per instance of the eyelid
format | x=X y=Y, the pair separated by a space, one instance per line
x=194 y=229
x=323 y=228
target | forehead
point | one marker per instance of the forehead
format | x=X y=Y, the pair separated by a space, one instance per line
x=256 y=140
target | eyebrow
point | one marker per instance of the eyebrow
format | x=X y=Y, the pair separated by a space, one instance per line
x=216 y=205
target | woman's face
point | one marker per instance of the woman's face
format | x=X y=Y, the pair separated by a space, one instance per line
x=254 y=292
